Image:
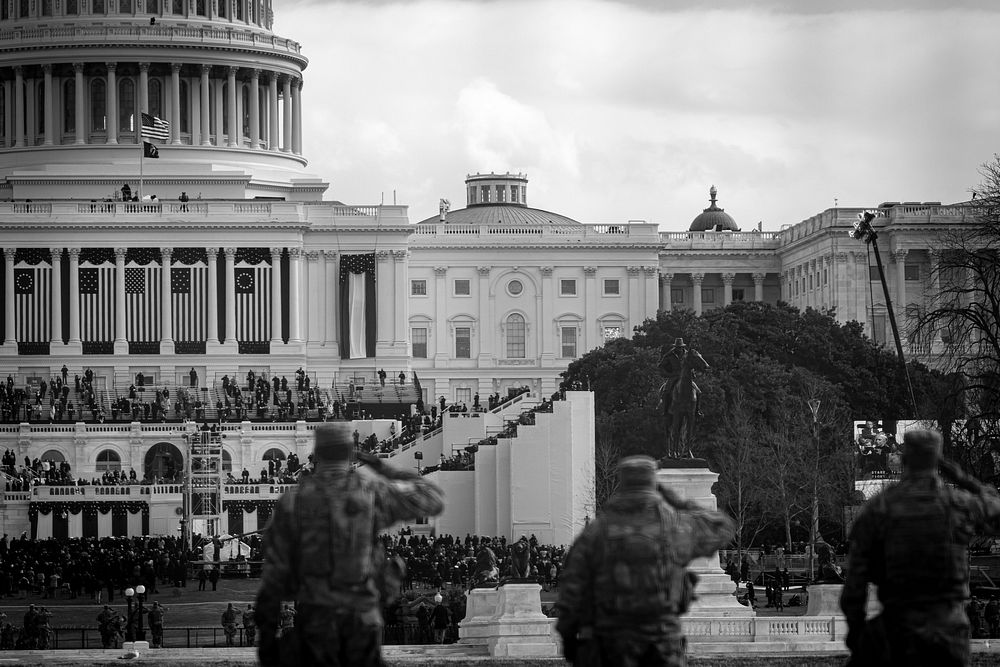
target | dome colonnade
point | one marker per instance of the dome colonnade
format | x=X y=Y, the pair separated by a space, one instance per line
x=108 y=62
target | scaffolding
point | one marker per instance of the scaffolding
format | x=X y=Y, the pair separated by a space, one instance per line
x=203 y=485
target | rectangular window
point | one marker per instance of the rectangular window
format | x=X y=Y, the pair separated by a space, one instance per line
x=567 y=287
x=463 y=287
x=676 y=295
x=418 y=337
x=485 y=191
x=612 y=287
x=738 y=294
x=463 y=343
x=501 y=194
x=707 y=295
x=878 y=329
x=873 y=272
x=912 y=271
x=513 y=194
x=418 y=288
x=810 y=281
x=826 y=276
x=463 y=395
x=472 y=195
x=612 y=332
x=569 y=342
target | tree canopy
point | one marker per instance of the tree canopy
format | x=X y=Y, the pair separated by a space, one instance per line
x=766 y=362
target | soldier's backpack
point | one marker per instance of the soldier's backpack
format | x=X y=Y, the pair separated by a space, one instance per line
x=638 y=578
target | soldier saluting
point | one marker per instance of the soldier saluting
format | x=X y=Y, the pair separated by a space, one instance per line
x=321 y=551
x=912 y=541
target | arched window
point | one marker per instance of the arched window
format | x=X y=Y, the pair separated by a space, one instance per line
x=108 y=459
x=98 y=103
x=126 y=105
x=223 y=8
x=178 y=8
x=25 y=9
x=69 y=106
x=239 y=10
x=245 y=95
x=98 y=7
x=274 y=454
x=515 y=331
x=200 y=8
x=46 y=7
x=227 y=461
x=72 y=7
x=53 y=455
x=156 y=97
x=185 y=125
x=124 y=6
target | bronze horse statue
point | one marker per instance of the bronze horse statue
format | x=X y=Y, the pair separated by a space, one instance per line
x=679 y=400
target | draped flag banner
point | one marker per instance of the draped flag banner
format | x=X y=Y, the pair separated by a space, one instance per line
x=253 y=303
x=32 y=309
x=188 y=285
x=142 y=303
x=97 y=303
x=357 y=306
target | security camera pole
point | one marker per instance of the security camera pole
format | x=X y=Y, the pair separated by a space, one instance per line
x=863 y=231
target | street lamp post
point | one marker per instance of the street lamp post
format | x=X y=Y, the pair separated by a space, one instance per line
x=814 y=404
x=129 y=627
x=140 y=596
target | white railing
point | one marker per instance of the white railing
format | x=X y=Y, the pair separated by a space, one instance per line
x=765 y=629
x=536 y=230
x=127 y=32
x=719 y=240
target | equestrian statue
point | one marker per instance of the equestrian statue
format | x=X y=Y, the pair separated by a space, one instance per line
x=679 y=398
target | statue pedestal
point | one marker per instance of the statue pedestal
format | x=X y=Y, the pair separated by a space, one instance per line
x=715 y=591
x=824 y=600
x=510 y=622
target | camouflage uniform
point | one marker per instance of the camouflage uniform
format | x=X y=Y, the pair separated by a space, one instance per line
x=321 y=552
x=623 y=604
x=911 y=541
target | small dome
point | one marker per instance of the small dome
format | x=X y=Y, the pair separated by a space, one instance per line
x=713 y=218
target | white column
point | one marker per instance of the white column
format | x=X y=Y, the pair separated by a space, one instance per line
x=143 y=96
x=758 y=286
x=545 y=324
x=206 y=134
x=212 y=313
x=234 y=122
x=331 y=294
x=8 y=303
x=175 y=103
x=294 y=294
x=255 y=109
x=727 y=288
x=401 y=339
x=18 y=106
x=297 y=116
x=385 y=300
x=652 y=292
x=633 y=299
x=899 y=256
x=121 y=344
x=218 y=117
x=666 y=298
x=591 y=334
x=49 y=102
x=486 y=326
x=230 y=296
x=111 y=112
x=74 y=296
x=276 y=296
x=441 y=343
x=696 y=280
x=56 y=300
x=81 y=102
x=286 y=135
x=166 y=321
x=272 y=113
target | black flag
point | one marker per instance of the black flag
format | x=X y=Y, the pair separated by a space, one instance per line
x=149 y=150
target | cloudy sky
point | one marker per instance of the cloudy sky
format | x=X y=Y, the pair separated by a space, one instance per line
x=630 y=109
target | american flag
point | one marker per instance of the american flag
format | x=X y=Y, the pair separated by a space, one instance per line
x=142 y=303
x=32 y=306
x=97 y=303
x=188 y=290
x=253 y=303
x=154 y=128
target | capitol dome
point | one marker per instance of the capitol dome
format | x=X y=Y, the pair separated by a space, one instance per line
x=493 y=199
x=713 y=218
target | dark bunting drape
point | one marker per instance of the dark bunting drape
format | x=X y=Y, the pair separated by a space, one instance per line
x=365 y=265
